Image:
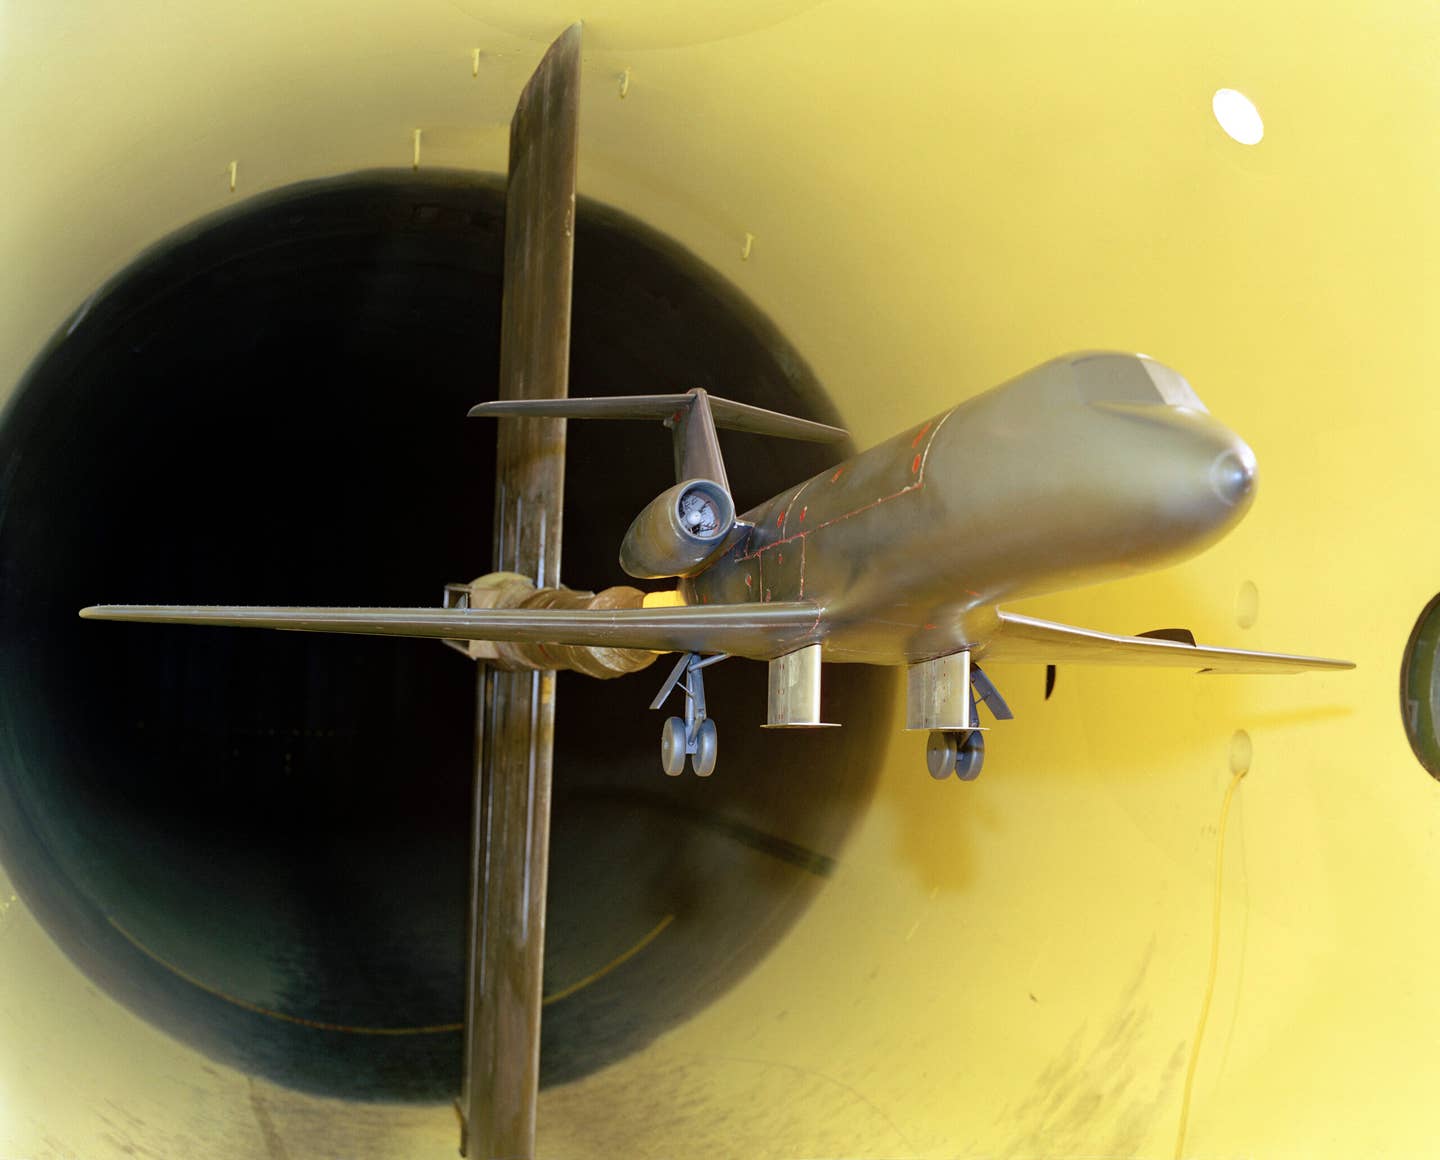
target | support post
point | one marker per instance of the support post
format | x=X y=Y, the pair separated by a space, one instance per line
x=795 y=691
x=937 y=694
x=515 y=726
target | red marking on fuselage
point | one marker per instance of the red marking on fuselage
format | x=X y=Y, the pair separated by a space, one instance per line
x=749 y=550
x=916 y=441
x=929 y=626
x=759 y=552
x=791 y=502
x=780 y=520
x=803 y=510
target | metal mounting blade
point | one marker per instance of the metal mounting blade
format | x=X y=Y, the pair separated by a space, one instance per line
x=515 y=728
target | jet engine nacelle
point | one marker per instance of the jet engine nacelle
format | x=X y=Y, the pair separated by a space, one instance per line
x=679 y=532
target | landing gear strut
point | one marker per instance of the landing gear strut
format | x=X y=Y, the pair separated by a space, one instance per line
x=693 y=736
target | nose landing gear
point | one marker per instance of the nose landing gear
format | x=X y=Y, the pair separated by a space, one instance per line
x=693 y=736
x=957 y=751
x=945 y=696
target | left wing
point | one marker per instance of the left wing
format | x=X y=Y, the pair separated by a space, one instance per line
x=757 y=631
x=1023 y=638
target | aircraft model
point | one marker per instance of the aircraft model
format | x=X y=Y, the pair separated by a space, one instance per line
x=1086 y=468
x=1089 y=467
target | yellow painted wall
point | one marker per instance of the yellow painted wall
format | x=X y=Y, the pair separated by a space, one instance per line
x=940 y=195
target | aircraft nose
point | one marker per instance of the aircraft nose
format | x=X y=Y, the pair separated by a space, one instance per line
x=1190 y=468
x=1232 y=474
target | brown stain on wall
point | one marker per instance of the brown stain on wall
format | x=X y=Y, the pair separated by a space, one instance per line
x=274 y=1146
x=1100 y=1096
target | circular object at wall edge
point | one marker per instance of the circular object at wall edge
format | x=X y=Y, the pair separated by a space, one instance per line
x=1420 y=688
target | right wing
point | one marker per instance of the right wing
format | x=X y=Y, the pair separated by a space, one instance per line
x=757 y=631
x=1024 y=638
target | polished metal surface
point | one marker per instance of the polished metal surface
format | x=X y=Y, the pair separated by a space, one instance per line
x=516 y=720
x=693 y=417
x=1075 y=472
x=1089 y=467
x=726 y=414
x=794 y=700
x=1024 y=638
x=757 y=631
x=937 y=694
x=696 y=442
x=1078 y=471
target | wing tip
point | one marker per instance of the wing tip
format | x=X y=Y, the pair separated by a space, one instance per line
x=114 y=612
x=1287 y=665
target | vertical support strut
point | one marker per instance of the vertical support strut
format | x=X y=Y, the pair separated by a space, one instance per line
x=795 y=691
x=937 y=694
x=515 y=726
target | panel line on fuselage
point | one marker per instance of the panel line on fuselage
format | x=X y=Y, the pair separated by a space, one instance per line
x=931 y=426
x=794 y=499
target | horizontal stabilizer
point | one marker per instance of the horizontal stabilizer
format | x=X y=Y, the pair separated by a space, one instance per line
x=727 y=414
x=758 y=631
x=1023 y=638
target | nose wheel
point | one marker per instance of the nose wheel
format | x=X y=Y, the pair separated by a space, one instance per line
x=693 y=736
x=961 y=752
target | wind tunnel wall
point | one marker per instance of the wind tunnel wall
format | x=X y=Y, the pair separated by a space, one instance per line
x=260 y=841
x=922 y=200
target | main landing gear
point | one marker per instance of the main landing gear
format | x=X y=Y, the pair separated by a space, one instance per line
x=946 y=696
x=694 y=735
x=957 y=751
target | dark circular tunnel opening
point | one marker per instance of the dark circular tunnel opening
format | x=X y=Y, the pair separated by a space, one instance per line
x=259 y=841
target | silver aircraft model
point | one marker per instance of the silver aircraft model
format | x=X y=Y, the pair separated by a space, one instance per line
x=1089 y=467
x=1086 y=468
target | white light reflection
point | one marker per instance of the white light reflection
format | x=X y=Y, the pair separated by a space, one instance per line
x=1238 y=116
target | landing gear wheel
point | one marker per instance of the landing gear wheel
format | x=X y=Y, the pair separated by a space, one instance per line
x=940 y=753
x=672 y=747
x=971 y=758
x=706 y=744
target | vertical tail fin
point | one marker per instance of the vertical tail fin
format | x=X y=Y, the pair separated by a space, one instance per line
x=697 y=445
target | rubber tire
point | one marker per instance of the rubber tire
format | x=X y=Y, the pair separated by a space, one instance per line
x=940 y=751
x=672 y=747
x=971 y=758
x=707 y=744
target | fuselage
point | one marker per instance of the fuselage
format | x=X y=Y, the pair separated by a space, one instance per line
x=1084 y=469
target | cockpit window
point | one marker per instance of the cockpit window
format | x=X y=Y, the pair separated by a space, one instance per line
x=1126 y=378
